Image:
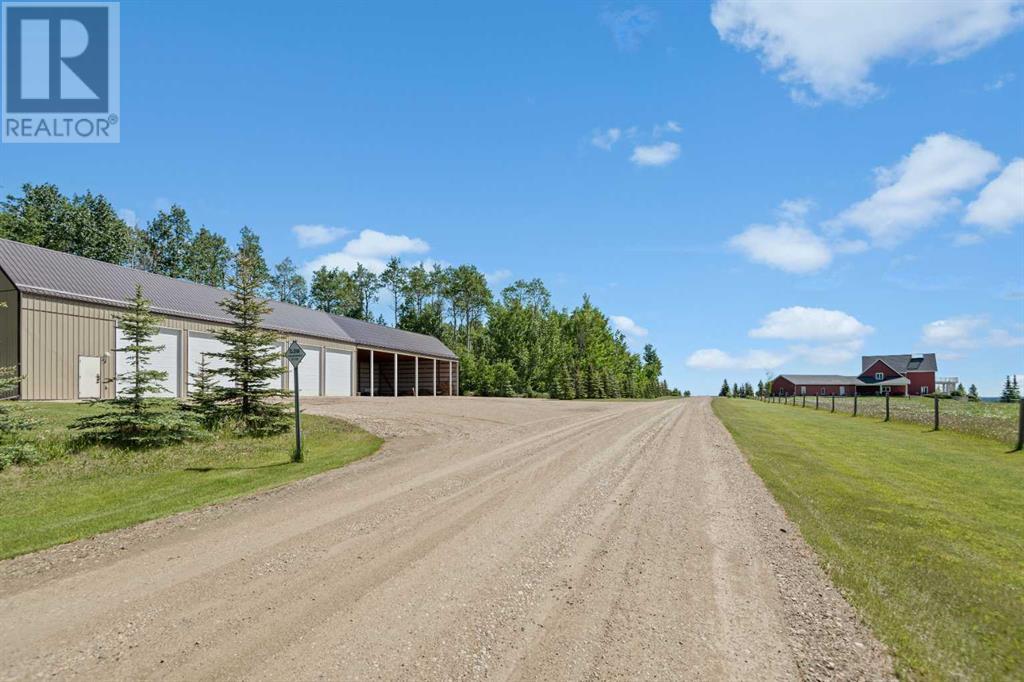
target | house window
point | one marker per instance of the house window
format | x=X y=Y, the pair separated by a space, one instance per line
x=886 y=389
x=823 y=391
x=842 y=390
x=924 y=390
x=803 y=390
x=879 y=376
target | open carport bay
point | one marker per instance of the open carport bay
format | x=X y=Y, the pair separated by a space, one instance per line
x=512 y=539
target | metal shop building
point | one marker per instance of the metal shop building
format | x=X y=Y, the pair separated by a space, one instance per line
x=59 y=328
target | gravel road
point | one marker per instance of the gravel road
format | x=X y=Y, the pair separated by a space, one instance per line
x=508 y=539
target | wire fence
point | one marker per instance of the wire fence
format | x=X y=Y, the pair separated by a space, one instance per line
x=1000 y=421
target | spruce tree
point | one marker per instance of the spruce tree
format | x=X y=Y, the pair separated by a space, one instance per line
x=136 y=417
x=1014 y=390
x=205 y=396
x=724 y=391
x=253 y=356
x=13 y=424
x=972 y=393
x=1007 y=394
x=735 y=390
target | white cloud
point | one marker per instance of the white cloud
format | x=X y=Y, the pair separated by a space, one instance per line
x=1001 y=203
x=318 y=235
x=1000 y=82
x=374 y=244
x=606 y=139
x=629 y=26
x=628 y=327
x=497 y=277
x=966 y=239
x=813 y=324
x=826 y=50
x=713 y=358
x=128 y=215
x=371 y=248
x=1001 y=338
x=666 y=128
x=655 y=154
x=954 y=333
x=785 y=247
x=919 y=189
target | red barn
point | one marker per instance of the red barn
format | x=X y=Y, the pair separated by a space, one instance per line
x=880 y=375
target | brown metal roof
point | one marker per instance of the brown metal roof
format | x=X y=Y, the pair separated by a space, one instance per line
x=44 y=272
x=380 y=336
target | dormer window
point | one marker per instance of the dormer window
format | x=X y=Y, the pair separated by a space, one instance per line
x=879 y=376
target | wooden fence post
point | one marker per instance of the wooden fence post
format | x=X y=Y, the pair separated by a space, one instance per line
x=803 y=402
x=854 y=404
x=1020 y=427
x=833 y=403
x=886 y=407
x=815 y=402
x=936 y=413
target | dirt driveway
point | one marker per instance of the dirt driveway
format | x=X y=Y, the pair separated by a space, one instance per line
x=510 y=539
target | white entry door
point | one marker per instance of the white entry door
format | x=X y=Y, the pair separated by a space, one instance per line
x=337 y=373
x=309 y=371
x=88 y=377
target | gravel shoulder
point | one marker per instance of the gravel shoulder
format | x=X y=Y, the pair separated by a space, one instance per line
x=509 y=539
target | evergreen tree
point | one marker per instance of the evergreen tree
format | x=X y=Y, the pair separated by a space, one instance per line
x=208 y=259
x=1014 y=390
x=566 y=385
x=287 y=285
x=13 y=424
x=972 y=393
x=251 y=252
x=686 y=393
x=760 y=389
x=724 y=391
x=735 y=390
x=204 y=396
x=253 y=356
x=136 y=417
x=1007 y=394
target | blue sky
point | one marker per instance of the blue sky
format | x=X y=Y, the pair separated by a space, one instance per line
x=755 y=188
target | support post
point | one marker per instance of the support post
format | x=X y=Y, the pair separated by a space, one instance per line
x=450 y=379
x=434 y=378
x=371 y=373
x=297 y=455
x=1020 y=427
x=833 y=403
x=886 y=407
x=803 y=401
x=854 y=402
x=396 y=375
x=815 y=402
x=936 y=413
x=416 y=381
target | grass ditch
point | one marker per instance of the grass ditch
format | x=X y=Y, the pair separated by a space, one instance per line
x=922 y=531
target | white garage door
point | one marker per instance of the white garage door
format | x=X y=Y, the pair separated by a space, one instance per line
x=338 y=373
x=309 y=371
x=165 y=360
x=204 y=344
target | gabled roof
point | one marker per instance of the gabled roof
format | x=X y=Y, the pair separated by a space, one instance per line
x=902 y=363
x=820 y=379
x=839 y=380
x=44 y=272
x=380 y=336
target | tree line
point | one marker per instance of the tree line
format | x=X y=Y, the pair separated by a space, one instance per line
x=513 y=342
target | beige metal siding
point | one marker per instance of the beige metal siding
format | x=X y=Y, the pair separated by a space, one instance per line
x=55 y=332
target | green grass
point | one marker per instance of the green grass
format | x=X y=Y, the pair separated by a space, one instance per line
x=989 y=420
x=78 y=494
x=922 y=531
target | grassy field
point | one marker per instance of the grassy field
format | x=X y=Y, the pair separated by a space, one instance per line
x=78 y=494
x=990 y=420
x=922 y=531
